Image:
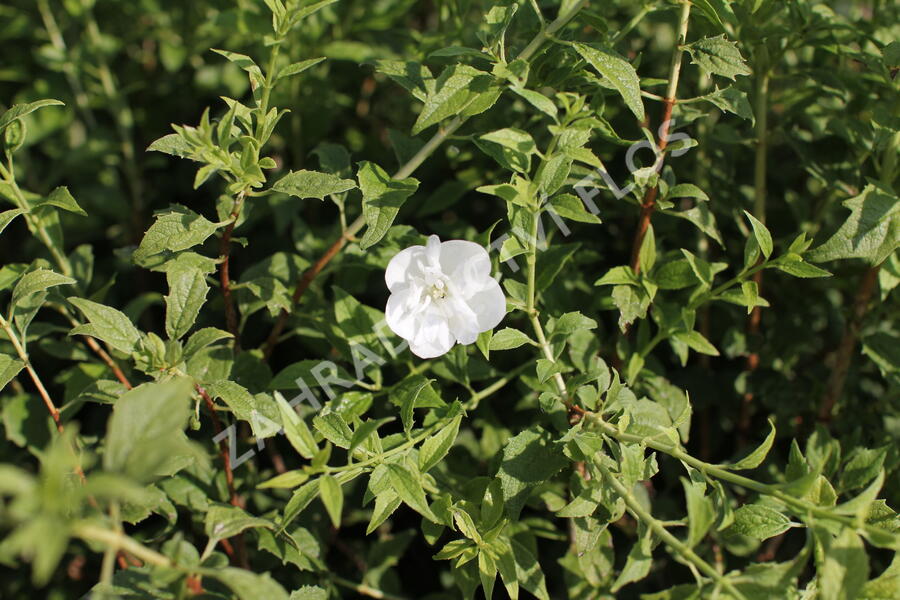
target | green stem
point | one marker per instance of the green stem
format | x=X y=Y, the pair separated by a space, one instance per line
x=548 y=32
x=631 y=24
x=365 y=590
x=93 y=533
x=33 y=222
x=799 y=506
x=644 y=516
x=759 y=173
x=109 y=556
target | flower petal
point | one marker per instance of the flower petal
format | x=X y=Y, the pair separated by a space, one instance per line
x=400 y=313
x=465 y=262
x=404 y=265
x=433 y=337
x=489 y=305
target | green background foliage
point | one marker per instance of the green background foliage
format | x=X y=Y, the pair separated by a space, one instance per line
x=694 y=393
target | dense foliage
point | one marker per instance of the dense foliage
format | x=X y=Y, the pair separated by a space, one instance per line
x=692 y=209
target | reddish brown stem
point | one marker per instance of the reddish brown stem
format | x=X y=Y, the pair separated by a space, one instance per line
x=302 y=285
x=835 y=386
x=649 y=203
x=225 y=451
x=106 y=358
x=231 y=318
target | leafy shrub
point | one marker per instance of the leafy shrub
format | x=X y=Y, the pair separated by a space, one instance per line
x=692 y=210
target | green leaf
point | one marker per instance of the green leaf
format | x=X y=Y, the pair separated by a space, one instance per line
x=638 y=562
x=571 y=207
x=146 y=430
x=241 y=60
x=719 y=56
x=61 y=198
x=507 y=339
x=647 y=253
x=845 y=567
x=247 y=585
x=407 y=394
x=618 y=72
x=224 y=521
x=174 y=231
x=7 y=216
x=108 y=324
x=37 y=281
x=298 y=433
x=312 y=184
x=459 y=90
x=529 y=459
x=332 y=497
x=871 y=232
x=696 y=341
x=298 y=67
x=172 y=144
x=410 y=491
x=537 y=100
x=702 y=218
x=9 y=368
x=758 y=455
x=731 y=100
x=701 y=514
x=20 y=110
x=510 y=147
x=528 y=571
x=759 y=522
x=333 y=427
x=260 y=410
x=309 y=592
x=187 y=293
x=762 y=235
x=435 y=448
x=793 y=264
x=202 y=338
x=382 y=199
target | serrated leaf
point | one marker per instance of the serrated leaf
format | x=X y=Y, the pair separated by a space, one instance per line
x=435 y=448
x=458 y=90
x=298 y=67
x=224 y=521
x=332 y=497
x=7 y=216
x=187 y=293
x=174 y=231
x=507 y=339
x=618 y=72
x=758 y=455
x=9 y=368
x=312 y=184
x=382 y=199
x=529 y=458
x=61 y=198
x=719 y=56
x=172 y=144
x=18 y=111
x=759 y=521
x=146 y=429
x=762 y=235
x=37 y=281
x=410 y=491
x=871 y=232
x=108 y=324
x=248 y=585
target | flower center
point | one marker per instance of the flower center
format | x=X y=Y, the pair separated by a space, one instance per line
x=438 y=290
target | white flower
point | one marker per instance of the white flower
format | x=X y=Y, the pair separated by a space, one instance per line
x=441 y=294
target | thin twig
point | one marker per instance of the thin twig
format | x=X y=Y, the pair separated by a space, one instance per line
x=239 y=552
x=23 y=356
x=835 y=386
x=231 y=317
x=649 y=203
